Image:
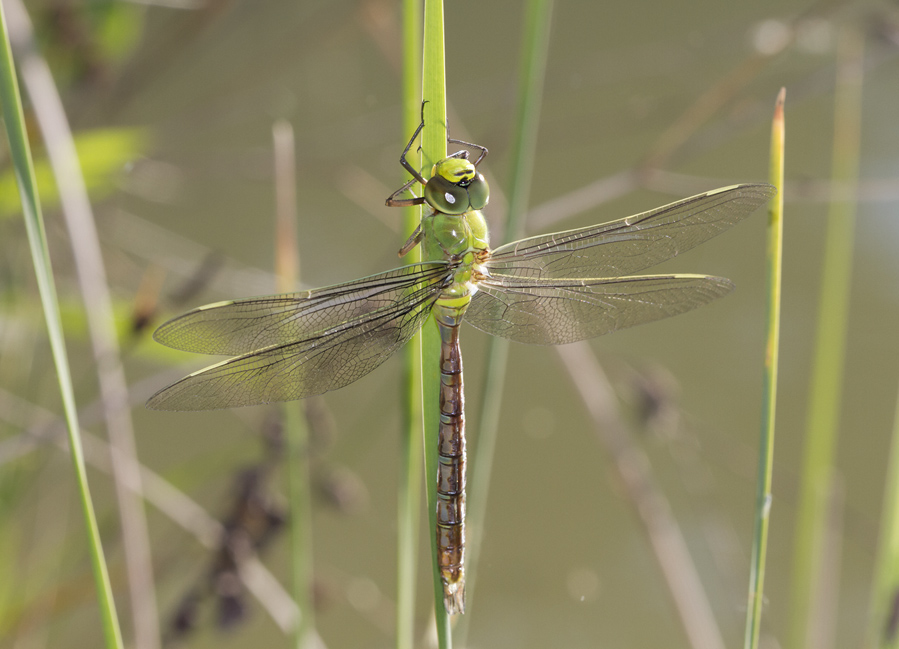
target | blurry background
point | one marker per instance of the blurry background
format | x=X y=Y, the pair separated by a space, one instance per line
x=186 y=92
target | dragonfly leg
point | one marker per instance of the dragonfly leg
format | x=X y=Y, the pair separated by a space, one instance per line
x=411 y=242
x=405 y=163
x=393 y=201
x=464 y=154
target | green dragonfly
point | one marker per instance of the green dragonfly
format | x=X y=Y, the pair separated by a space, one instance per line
x=550 y=289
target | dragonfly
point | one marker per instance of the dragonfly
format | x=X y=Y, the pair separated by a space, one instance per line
x=550 y=289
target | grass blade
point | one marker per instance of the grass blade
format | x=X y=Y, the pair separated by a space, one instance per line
x=51 y=118
x=882 y=631
x=409 y=497
x=433 y=149
x=830 y=344
x=14 y=123
x=534 y=52
x=769 y=381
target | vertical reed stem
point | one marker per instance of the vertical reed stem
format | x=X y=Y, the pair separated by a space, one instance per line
x=769 y=381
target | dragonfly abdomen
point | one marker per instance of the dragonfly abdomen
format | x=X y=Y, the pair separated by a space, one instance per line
x=451 y=471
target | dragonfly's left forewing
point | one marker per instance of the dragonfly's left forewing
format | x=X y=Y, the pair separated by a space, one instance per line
x=564 y=311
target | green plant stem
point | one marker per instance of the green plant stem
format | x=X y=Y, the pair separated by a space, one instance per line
x=18 y=142
x=409 y=501
x=433 y=149
x=287 y=268
x=769 y=381
x=823 y=417
x=296 y=434
x=886 y=569
x=534 y=52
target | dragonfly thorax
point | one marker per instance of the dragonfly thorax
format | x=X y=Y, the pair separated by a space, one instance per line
x=456 y=186
x=453 y=237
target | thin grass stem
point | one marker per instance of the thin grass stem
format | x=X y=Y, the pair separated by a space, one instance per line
x=91 y=274
x=534 y=53
x=409 y=496
x=296 y=434
x=882 y=631
x=774 y=258
x=14 y=123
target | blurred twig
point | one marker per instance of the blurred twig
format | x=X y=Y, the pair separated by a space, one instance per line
x=635 y=473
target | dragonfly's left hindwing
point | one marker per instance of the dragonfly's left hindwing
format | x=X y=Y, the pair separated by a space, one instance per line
x=631 y=244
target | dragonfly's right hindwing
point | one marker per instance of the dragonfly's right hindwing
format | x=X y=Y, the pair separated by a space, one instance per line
x=557 y=312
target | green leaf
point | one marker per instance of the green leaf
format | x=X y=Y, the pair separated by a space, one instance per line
x=103 y=154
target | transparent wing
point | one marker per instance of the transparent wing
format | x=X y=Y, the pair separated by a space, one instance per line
x=631 y=244
x=558 y=312
x=247 y=325
x=315 y=363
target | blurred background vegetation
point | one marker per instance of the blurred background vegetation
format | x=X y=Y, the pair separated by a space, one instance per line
x=172 y=103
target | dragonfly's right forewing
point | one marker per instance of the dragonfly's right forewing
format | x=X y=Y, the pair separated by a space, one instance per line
x=314 y=361
x=243 y=326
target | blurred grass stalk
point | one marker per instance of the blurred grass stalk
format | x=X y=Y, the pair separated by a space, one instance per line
x=433 y=149
x=409 y=496
x=296 y=433
x=533 y=54
x=20 y=152
x=830 y=349
x=769 y=381
x=882 y=631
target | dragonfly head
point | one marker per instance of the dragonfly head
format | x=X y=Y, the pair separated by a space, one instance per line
x=456 y=186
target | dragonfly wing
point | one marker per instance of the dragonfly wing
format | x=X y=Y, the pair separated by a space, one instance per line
x=324 y=361
x=251 y=324
x=631 y=244
x=565 y=311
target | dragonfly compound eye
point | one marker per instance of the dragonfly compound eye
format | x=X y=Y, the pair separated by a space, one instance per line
x=445 y=196
x=478 y=193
